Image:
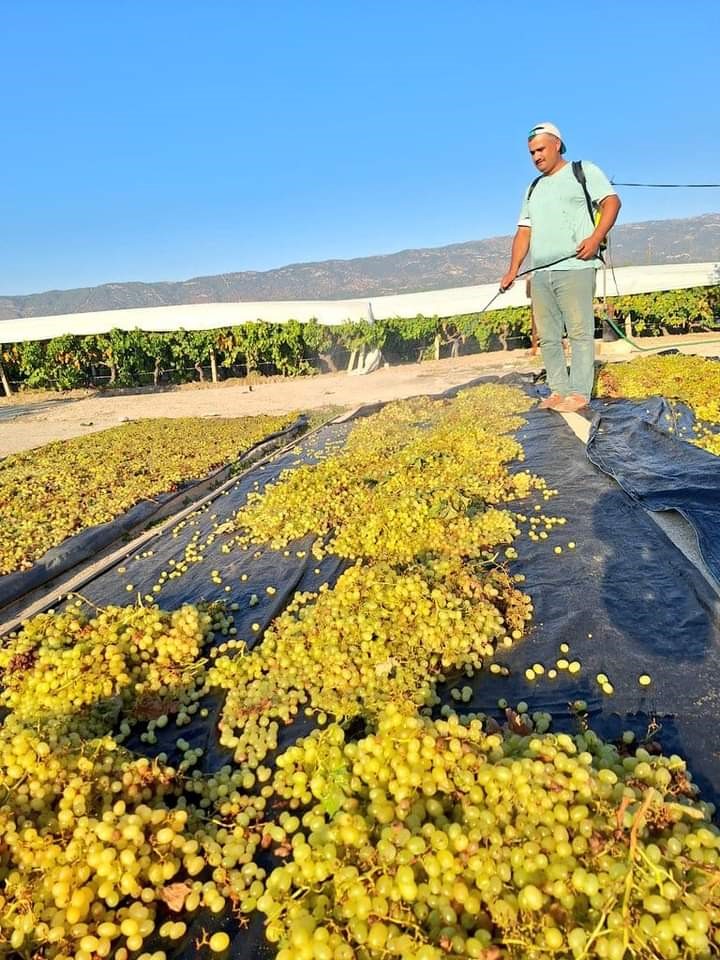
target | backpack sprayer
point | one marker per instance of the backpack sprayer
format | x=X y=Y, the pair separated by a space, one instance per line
x=594 y=212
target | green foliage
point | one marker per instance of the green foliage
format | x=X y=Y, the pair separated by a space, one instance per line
x=31 y=363
x=191 y=348
x=255 y=342
x=419 y=328
x=287 y=349
x=158 y=349
x=409 y=338
x=136 y=357
x=58 y=363
x=362 y=333
x=672 y=310
x=319 y=338
x=507 y=323
x=123 y=352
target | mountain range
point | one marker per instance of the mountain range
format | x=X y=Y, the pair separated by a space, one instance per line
x=688 y=240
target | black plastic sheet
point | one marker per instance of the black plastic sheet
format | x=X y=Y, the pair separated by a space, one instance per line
x=627 y=602
x=642 y=445
x=286 y=571
x=88 y=543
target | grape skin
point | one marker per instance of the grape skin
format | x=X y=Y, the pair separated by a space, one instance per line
x=53 y=492
x=451 y=838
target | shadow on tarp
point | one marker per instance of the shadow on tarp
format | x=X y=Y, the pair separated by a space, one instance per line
x=88 y=543
x=641 y=445
x=625 y=600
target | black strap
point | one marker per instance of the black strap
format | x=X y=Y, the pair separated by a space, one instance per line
x=579 y=174
x=532 y=186
x=577 y=169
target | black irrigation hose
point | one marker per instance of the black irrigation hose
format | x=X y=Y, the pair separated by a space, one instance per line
x=617 y=330
x=524 y=273
x=704 y=186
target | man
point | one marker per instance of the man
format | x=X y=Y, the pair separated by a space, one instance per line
x=555 y=224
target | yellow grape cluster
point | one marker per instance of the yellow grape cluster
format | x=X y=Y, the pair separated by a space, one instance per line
x=84 y=827
x=420 y=478
x=421 y=473
x=71 y=671
x=55 y=491
x=545 y=832
x=425 y=839
x=379 y=636
x=430 y=839
x=694 y=380
x=96 y=843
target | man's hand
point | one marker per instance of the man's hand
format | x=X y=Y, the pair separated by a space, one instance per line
x=588 y=249
x=508 y=280
x=520 y=247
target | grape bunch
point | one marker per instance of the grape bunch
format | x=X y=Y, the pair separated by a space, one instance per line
x=55 y=491
x=693 y=380
x=72 y=672
x=429 y=839
x=379 y=636
x=417 y=479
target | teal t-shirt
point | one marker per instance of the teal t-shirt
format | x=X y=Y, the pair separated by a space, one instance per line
x=558 y=216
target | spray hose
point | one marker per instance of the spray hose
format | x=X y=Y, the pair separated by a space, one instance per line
x=636 y=346
x=614 y=326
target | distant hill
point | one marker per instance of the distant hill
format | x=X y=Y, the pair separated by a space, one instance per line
x=690 y=240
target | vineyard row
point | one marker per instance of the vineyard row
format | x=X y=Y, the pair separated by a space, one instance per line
x=135 y=357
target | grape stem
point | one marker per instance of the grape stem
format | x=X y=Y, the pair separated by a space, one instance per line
x=638 y=820
x=598 y=928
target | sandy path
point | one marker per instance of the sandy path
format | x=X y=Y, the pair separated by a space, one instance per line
x=30 y=423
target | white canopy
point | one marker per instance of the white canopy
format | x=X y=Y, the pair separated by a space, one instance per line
x=443 y=303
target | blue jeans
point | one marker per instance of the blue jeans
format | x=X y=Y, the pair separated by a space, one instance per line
x=563 y=302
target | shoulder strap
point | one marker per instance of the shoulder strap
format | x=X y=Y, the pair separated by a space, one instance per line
x=577 y=169
x=532 y=186
x=593 y=208
x=579 y=174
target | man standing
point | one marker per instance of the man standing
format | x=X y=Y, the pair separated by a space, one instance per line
x=557 y=224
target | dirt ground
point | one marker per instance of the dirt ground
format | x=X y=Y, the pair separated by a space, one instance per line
x=30 y=420
x=26 y=423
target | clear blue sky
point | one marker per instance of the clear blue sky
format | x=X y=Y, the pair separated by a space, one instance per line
x=164 y=139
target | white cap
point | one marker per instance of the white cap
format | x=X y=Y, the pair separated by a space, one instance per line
x=547 y=128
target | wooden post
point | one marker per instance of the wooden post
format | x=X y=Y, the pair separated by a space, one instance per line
x=533 y=325
x=436 y=347
x=213 y=366
x=3 y=377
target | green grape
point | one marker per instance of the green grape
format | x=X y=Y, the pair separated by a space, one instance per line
x=694 y=380
x=94 y=479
